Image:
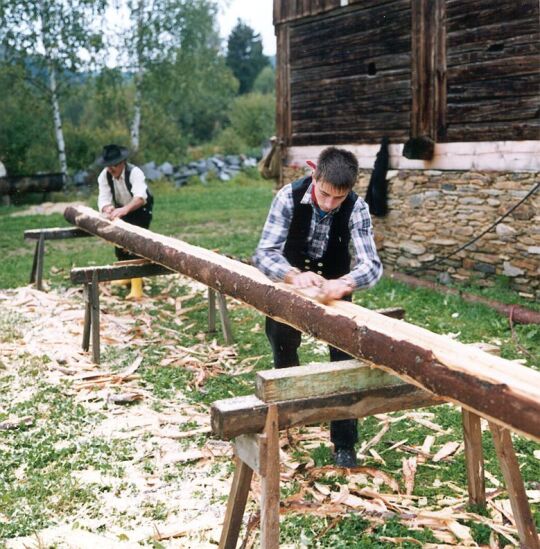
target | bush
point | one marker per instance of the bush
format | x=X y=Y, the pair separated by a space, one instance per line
x=229 y=142
x=252 y=118
x=266 y=81
x=84 y=144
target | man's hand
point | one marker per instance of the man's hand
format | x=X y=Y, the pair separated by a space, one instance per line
x=306 y=279
x=336 y=289
x=118 y=213
x=106 y=210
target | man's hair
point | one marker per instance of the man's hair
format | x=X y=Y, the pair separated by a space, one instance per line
x=337 y=167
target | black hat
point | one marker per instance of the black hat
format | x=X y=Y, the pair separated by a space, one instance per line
x=112 y=154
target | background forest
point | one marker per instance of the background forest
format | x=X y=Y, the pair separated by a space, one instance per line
x=161 y=82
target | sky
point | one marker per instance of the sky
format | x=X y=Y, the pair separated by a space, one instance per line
x=256 y=13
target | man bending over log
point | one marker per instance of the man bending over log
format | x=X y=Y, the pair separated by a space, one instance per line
x=123 y=193
x=305 y=242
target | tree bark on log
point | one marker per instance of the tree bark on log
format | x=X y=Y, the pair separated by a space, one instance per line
x=497 y=389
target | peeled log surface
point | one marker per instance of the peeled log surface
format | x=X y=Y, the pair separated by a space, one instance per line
x=497 y=389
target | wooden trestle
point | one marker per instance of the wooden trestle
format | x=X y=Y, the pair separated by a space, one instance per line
x=296 y=397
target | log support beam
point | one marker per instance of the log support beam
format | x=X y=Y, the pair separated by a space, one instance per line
x=528 y=535
x=40 y=236
x=90 y=277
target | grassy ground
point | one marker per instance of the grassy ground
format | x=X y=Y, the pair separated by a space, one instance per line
x=38 y=486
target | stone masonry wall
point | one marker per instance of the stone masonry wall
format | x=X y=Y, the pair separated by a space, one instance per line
x=432 y=213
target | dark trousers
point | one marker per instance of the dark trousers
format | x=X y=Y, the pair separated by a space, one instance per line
x=285 y=341
x=139 y=218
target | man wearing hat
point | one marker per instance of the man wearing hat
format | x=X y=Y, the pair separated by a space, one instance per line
x=123 y=194
x=305 y=242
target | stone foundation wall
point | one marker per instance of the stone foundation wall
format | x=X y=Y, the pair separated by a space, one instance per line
x=432 y=213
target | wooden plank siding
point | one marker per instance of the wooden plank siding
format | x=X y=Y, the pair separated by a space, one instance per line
x=289 y=10
x=428 y=60
x=493 y=74
x=456 y=70
x=350 y=76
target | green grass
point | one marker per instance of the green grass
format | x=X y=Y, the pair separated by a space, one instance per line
x=36 y=483
x=227 y=217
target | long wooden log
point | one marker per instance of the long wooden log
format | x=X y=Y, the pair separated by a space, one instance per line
x=55 y=233
x=117 y=272
x=497 y=389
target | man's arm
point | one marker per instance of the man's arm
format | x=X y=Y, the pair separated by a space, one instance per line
x=134 y=204
x=268 y=256
x=367 y=267
x=139 y=187
x=105 y=198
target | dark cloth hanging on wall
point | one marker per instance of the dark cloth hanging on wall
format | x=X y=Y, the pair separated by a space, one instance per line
x=377 y=191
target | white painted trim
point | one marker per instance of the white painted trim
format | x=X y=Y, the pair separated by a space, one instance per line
x=502 y=156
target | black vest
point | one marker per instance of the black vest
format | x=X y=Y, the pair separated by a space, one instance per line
x=141 y=216
x=336 y=260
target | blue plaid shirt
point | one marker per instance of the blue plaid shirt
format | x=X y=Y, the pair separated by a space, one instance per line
x=366 y=269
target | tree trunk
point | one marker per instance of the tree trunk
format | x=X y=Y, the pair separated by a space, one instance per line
x=136 y=122
x=502 y=391
x=58 y=132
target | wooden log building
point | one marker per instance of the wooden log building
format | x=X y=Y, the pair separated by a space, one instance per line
x=458 y=82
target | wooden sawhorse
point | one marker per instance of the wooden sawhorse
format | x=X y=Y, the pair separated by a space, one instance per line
x=90 y=277
x=323 y=392
x=40 y=235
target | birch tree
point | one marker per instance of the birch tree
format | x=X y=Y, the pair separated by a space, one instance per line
x=158 y=30
x=51 y=39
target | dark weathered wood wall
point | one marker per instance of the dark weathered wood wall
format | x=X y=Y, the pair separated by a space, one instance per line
x=350 y=74
x=288 y=10
x=493 y=70
x=353 y=74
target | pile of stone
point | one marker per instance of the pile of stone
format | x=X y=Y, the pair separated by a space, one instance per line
x=218 y=167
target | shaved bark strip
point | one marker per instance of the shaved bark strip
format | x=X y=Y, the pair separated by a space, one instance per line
x=500 y=390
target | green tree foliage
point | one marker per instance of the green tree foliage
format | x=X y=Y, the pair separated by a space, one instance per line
x=252 y=118
x=26 y=134
x=164 y=34
x=187 y=96
x=265 y=81
x=47 y=38
x=195 y=87
x=245 y=55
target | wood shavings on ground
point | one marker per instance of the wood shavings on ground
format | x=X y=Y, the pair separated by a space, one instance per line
x=163 y=439
x=170 y=482
x=46 y=208
x=54 y=325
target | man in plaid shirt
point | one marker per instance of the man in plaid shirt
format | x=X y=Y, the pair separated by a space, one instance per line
x=305 y=242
